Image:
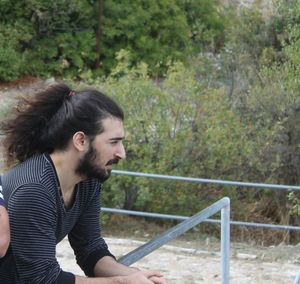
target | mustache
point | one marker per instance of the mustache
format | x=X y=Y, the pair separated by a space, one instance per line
x=113 y=161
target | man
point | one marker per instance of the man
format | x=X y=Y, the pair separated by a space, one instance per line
x=66 y=144
x=4 y=227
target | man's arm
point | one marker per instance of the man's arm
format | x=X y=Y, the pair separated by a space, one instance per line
x=138 y=277
x=94 y=258
x=4 y=230
x=109 y=267
x=32 y=217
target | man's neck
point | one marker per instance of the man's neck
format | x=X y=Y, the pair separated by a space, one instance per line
x=65 y=163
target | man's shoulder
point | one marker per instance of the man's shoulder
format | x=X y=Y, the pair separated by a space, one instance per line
x=30 y=167
x=36 y=170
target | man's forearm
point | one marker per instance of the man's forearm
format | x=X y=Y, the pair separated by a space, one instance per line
x=108 y=267
x=108 y=271
x=138 y=277
x=98 y=280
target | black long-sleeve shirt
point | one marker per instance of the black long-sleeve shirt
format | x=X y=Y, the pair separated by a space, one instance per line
x=39 y=220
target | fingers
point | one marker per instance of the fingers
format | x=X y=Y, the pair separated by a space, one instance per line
x=151 y=273
x=155 y=276
x=145 y=277
x=135 y=268
x=158 y=280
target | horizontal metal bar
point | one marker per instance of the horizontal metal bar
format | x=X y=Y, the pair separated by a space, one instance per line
x=174 y=232
x=177 y=217
x=211 y=181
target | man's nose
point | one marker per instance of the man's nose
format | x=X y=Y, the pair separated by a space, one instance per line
x=121 y=153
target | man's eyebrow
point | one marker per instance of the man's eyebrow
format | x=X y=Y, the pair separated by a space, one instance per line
x=116 y=138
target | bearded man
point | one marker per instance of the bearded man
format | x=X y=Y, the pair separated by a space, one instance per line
x=62 y=145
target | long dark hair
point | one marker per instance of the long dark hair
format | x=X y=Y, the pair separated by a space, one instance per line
x=47 y=120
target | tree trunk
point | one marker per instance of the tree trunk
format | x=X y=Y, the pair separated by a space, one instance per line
x=131 y=195
x=99 y=34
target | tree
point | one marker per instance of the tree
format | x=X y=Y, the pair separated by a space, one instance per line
x=63 y=37
x=152 y=31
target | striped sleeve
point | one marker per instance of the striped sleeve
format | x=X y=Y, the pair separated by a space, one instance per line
x=32 y=214
x=2 y=202
x=85 y=237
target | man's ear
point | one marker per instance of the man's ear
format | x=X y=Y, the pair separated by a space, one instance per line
x=80 y=141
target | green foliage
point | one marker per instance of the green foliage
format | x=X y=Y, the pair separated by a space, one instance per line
x=271 y=107
x=11 y=58
x=288 y=15
x=234 y=118
x=173 y=127
x=157 y=32
x=206 y=22
x=294 y=199
x=232 y=115
x=153 y=31
x=59 y=37
x=262 y=65
x=61 y=54
x=46 y=38
x=64 y=41
x=251 y=41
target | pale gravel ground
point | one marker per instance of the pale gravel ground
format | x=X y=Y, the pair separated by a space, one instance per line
x=188 y=266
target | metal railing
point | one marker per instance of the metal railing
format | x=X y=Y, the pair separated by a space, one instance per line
x=213 y=221
x=208 y=181
x=223 y=205
x=149 y=247
x=297 y=279
x=212 y=181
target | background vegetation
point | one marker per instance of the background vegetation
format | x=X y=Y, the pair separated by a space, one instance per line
x=210 y=90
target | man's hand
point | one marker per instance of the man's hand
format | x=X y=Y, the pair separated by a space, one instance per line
x=145 y=277
x=138 y=277
x=108 y=270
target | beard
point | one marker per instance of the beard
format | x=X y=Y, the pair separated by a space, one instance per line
x=88 y=168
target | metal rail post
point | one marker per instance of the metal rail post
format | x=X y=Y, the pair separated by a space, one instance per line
x=223 y=205
x=225 y=242
x=297 y=279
